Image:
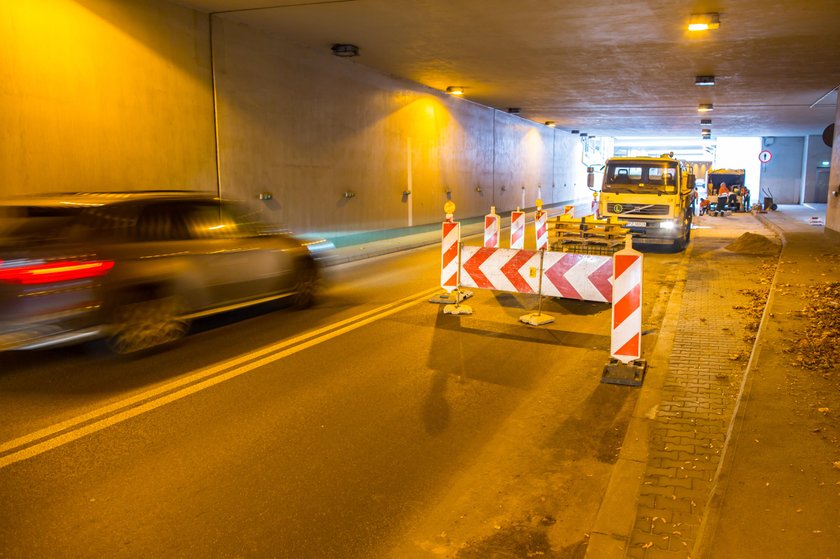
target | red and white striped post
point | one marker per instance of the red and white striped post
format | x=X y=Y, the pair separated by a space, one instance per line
x=626 y=367
x=451 y=236
x=626 y=338
x=517 y=229
x=491 y=229
x=595 y=204
x=569 y=211
x=541 y=227
x=450 y=259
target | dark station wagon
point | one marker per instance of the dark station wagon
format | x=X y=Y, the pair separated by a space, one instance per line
x=135 y=268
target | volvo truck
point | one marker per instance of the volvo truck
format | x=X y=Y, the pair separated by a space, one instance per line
x=654 y=196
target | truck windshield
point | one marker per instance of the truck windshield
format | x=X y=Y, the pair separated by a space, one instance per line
x=640 y=177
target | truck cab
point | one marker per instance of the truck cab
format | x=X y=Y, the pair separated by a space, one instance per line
x=653 y=195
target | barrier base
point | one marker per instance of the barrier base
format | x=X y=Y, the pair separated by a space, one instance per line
x=457 y=309
x=628 y=374
x=536 y=319
x=451 y=297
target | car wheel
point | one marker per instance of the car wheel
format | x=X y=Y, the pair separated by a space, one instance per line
x=305 y=285
x=144 y=324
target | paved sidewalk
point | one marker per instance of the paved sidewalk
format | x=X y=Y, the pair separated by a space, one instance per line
x=688 y=489
x=778 y=495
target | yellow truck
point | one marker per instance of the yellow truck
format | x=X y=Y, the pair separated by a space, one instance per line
x=654 y=195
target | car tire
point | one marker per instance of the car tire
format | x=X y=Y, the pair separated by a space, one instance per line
x=305 y=284
x=141 y=324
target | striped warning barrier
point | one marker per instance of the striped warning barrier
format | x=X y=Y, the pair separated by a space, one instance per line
x=626 y=339
x=541 y=229
x=572 y=276
x=491 y=229
x=517 y=229
x=569 y=211
x=451 y=235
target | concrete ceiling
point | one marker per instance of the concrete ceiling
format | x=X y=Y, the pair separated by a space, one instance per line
x=598 y=66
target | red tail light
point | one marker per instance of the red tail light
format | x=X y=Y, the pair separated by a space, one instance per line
x=51 y=272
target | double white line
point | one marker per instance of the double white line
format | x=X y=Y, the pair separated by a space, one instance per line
x=70 y=430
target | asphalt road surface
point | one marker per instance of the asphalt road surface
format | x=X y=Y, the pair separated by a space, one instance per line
x=371 y=425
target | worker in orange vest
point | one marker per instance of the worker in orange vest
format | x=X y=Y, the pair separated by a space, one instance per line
x=723 y=197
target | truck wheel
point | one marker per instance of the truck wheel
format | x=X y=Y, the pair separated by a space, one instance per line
x=142 y=324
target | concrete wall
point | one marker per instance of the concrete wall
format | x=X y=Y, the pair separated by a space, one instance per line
x=309 y=127
x=782 y=176
x=832 y=217
x=104 y=95
x=118 y=94
x=815 y=153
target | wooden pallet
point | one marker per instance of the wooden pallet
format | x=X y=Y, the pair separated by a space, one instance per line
x=587 y=235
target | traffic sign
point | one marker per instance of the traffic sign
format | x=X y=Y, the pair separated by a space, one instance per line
x=765 y=156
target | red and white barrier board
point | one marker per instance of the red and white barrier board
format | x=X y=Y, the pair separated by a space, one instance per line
x=569 y=211
x=541 y=229
x=451 y=235
x=517 y=230
x=491 y=229
x=626 y=344
x=571 y=276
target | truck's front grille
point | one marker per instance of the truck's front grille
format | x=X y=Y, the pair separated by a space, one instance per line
x=638 y=209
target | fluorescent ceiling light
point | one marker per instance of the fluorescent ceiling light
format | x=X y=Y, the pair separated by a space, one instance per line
x=705 y=121
x=703 y=22
x=705 y=107
x=704 y=80
x=455 y=90
x=550 y=123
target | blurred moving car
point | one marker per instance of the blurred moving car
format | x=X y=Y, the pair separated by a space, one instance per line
x=135 y=268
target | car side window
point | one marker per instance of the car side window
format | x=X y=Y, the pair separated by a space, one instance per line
x=160 y=222
x=210 y=221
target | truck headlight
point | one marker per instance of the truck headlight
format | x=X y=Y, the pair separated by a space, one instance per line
x=667 y=224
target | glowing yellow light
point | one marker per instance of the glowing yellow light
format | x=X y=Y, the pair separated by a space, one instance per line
x=704 y=22
x=449 y=207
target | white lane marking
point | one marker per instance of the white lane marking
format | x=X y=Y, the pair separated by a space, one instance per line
x=169 y=393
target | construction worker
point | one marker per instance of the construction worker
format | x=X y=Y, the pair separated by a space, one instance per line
x=723 y=198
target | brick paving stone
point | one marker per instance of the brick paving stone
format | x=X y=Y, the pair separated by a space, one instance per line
x=698 y=399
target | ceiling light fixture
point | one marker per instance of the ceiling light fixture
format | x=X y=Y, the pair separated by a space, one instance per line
x=705 y=107
x=705 y=121
x=514 y=110
x=706 y=131
x=703 y=22
x=704 y=80
x=345 y=51
x=550 y=123
x=455 y=90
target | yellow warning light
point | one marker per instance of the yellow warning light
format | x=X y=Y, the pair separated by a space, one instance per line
x=449 y=207
x=539 y=202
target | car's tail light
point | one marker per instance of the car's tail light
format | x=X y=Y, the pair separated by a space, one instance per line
x=33 y=273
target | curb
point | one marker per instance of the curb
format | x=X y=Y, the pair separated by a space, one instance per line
x=616 y=517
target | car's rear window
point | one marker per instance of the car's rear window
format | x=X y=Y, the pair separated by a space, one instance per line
x=35 y=223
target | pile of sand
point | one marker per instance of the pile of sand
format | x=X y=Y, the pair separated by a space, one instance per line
x=751 y=243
